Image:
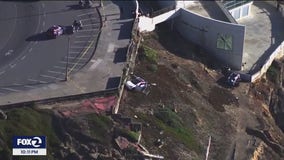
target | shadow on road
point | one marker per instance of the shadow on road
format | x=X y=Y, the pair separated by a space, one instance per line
x=39 y=37
x=113 y=82
x=277 y=36
x=120 y=55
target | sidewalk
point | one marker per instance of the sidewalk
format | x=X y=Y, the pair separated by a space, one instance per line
x=105 y=68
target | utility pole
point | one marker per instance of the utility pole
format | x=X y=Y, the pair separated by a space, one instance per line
x=67 y=61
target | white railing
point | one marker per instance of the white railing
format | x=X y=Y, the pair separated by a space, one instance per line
x=277 y=54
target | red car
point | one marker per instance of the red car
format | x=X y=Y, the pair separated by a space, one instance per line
x=55 y=31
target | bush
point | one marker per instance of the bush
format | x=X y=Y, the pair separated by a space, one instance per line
x=149 y=53
x=272 y=73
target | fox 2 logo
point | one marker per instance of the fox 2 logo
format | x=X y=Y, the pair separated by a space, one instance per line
x=29 y=142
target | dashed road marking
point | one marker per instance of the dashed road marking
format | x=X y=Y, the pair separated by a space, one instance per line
x=79 y=47
x=38 y=81
x=28 y=86
x=12 y=65
x=89 y=19
x=47 y=76
x=95 y=24
x=85 y=14
x=11 y=89
x=72 y=52
x=89 y=30
x=23 y=57
x=81 y=41
x=95 y=63
x=88 y=36
x=2 y=72
x=9 y=52
x=72 y=63
x=50 y=71
x=17 y=84
x=59 y=67
x=77 y=58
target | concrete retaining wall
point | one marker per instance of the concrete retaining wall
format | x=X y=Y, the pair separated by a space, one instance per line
x=277 y=54
x=205 y=31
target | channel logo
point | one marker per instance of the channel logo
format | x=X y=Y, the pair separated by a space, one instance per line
x=29 y=145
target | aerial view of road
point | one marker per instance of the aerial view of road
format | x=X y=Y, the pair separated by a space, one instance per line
x=28 y=57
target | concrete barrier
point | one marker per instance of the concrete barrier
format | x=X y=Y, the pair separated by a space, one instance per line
x=277 y=54
x=207 y=33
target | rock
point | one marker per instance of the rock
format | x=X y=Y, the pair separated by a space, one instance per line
x=3 y=115
x=94 y=155
x=116 y=154
x=85 y=147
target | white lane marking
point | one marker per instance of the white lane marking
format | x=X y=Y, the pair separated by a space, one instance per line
x=28 y=86
x=95 y=63
x=95 y=24
x=80 y=47
x=111 y=47
x=2 y=72
x=89 y=36
x=34 y=80
x=23 y=57
x=73 y=52
x=85 y=14
x=72 y=63
x=17 y=84
x=50 y=71
x=30 y=49
x=12 y=65
x=89 y=19
x=59 y=67
x=9 y=52
x=88 y=30
x=47 y=76
x=10 y=89
x=81 y=58
x=82 y=41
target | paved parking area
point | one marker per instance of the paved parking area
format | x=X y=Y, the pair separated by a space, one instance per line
x=108 y=57
x=264 y=30
x=264 y=33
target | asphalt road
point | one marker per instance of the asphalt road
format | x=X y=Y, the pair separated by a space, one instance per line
x=28 y=57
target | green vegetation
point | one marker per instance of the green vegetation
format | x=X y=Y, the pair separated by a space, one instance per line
x=27 y=121
x=172 y=124
x=149 y=53
x=100 y=125
x=272 y=73
x=130 y=135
